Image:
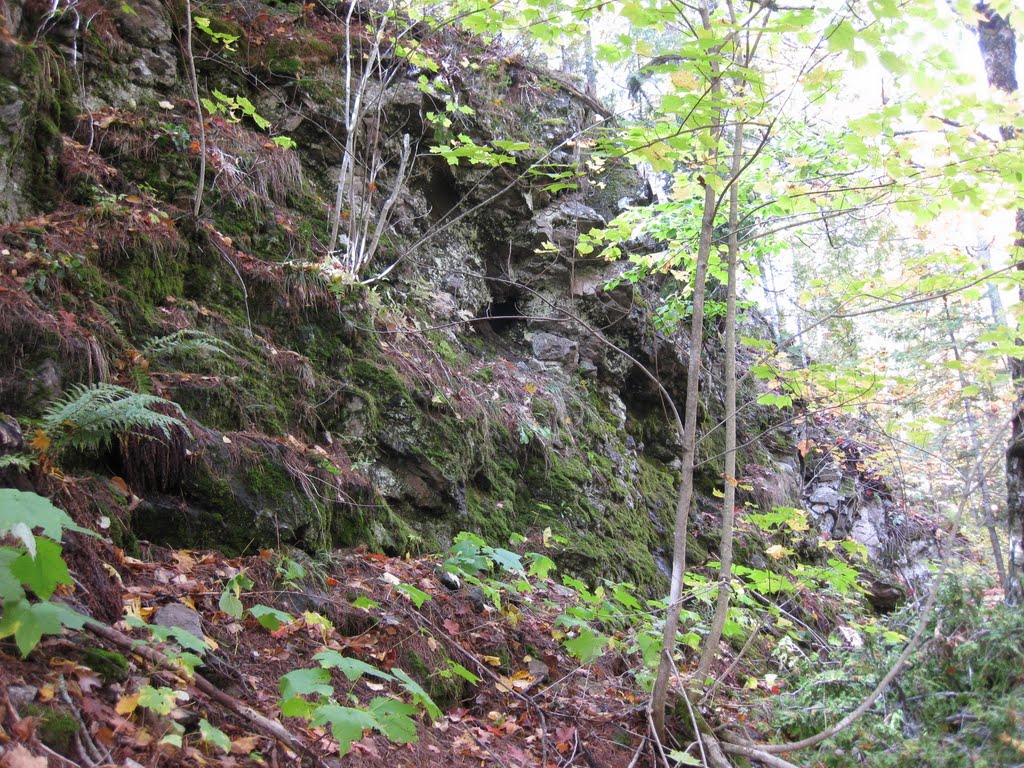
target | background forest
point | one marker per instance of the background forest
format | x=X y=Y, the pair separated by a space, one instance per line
x=527 y=383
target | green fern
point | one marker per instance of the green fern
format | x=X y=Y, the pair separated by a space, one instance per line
x=91 y=417
x=22 y=461
x=184 y=343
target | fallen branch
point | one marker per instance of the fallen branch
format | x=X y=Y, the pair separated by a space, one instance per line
x=260 y=722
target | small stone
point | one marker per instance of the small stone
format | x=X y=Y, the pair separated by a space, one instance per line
x=180 y=616
x=20 y=695
x=551 y=348
x=824 y=494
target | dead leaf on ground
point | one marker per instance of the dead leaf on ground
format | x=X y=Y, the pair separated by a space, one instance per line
x=19 y=757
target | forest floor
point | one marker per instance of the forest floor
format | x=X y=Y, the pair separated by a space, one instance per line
x=509 y=693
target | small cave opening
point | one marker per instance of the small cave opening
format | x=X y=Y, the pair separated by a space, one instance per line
x=440 y=191
x=504 y=314
x=503 y=317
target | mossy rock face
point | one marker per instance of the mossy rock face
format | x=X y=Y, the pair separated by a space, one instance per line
x=292 y=57
x=33 y=102
x=236 y=500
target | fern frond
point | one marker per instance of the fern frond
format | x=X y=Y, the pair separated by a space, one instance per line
x=91 y=417
x=22 y=461
x=107 y=315
x=186 y=342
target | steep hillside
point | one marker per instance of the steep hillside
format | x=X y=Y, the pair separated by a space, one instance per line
x=487 y=383
x=299 y=325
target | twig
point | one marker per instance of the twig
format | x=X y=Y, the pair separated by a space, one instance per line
x=660 y=750
x=772 y=761
x=639 y=751
x=693 y=717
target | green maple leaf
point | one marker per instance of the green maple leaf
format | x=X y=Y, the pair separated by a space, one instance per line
x=394 y=719
x=10 y=585
x=160 y=700
x=351 y=668
x=588 y=646
x=418 y=694
x=213 y=735
x=28 y=622
x=43 y=572
x=22 y=512
x=269 y=618
x=303 y=682
x=347 y=723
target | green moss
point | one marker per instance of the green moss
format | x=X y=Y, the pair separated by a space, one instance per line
x=382 y=381
x=112 y=667
x=269 y=480
x=56 y=727
x=291 y=57
x=373 y=523
x=34 y=82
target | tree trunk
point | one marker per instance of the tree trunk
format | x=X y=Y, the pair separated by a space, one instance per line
x=999 y=53
x=710 y=650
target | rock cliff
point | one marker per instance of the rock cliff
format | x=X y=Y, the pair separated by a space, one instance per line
x=481 y=379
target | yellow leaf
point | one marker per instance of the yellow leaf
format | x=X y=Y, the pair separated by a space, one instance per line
x=684 y=80
x=776 y=552
x=40 y=442
x=1017 y=744
x=494 y=661
x=127 y=704
x=547 y=537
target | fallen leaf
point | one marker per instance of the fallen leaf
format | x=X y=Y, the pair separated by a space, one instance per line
x=19 y=757
x=245 y=744
x=127 y=704
x=24 y=728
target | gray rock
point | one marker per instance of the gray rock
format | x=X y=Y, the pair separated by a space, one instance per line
x=20 y=695
x=824 y=494
x=563 y=222
x=146 y=26
x=556 y=349
x=181 y=616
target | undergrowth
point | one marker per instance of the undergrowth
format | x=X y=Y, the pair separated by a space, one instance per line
x=960 y=703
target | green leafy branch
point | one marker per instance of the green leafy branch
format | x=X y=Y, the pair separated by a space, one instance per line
x=36 y=568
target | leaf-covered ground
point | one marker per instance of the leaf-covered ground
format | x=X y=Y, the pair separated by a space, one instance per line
x=509 y=694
